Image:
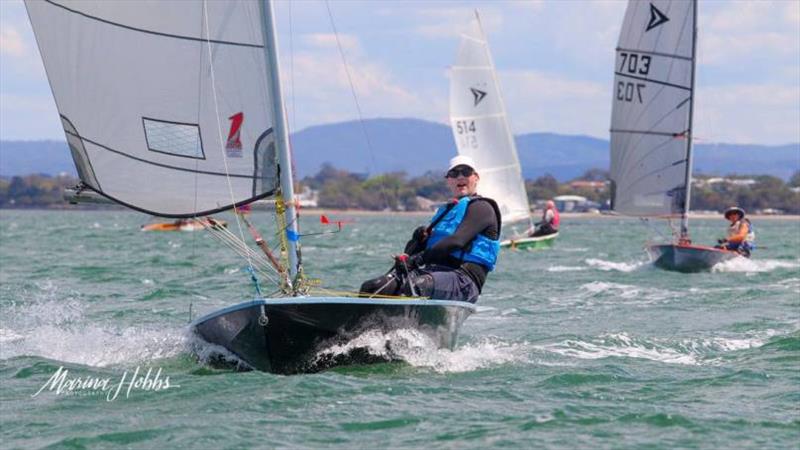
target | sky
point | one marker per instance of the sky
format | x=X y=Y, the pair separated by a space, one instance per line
x=554 y=60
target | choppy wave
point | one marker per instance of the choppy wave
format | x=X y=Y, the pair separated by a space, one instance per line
x=627 y=291
x=672 y=351
x=55 y=326
x=750 y=265
x=417 y=349
x=611 y=265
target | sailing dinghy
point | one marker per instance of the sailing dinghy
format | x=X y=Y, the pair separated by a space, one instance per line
x=481 y=131
x=175 y=109
x=651 y=126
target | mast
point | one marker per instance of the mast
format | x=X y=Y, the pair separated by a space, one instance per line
x=281 y=132
x=690 y=131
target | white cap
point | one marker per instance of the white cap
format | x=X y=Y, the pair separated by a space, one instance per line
x=462 y=160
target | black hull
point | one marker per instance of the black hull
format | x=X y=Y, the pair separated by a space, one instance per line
x=688 y=258
x=297 y=329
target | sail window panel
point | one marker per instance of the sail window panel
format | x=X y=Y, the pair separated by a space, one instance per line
x=164 y=190
x=179 y=139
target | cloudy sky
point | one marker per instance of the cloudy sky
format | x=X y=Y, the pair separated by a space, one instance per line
x=554 y=61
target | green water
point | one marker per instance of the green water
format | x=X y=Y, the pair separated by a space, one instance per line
x=584 y=345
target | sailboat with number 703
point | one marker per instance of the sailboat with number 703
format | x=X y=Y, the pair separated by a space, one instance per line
x=651 y=126
x=175 y=109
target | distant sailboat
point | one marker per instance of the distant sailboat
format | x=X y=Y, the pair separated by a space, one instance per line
x=651 y=125
x=175 y=109
x=481 y=131
x=197 y=224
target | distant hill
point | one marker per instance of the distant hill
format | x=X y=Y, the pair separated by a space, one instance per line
x=416 y=146
x=33 y=157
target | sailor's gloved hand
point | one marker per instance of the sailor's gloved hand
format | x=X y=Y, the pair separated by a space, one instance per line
x=404 y=263
x=420 y=234
x=721 y=241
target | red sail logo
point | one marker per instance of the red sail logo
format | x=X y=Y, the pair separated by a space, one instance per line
x=234 y=146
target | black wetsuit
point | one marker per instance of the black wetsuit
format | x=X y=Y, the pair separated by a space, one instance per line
x=442 y=275
x=480 y=218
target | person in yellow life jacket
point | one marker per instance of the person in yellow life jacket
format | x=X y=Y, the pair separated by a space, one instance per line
x=740 y=236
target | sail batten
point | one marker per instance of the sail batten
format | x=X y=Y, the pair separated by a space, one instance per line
x=651 y=124
x=480 y=127
x=133 y=84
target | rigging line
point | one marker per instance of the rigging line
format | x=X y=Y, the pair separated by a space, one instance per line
x=240 y=250
x=239 y=246
x=291 y=68
x=219 y=126
x=355 y=99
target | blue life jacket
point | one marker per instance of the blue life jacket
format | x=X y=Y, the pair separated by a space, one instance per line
x=481 y=250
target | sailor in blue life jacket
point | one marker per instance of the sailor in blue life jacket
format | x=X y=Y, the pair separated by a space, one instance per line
x=449 y=258
x=741 y=237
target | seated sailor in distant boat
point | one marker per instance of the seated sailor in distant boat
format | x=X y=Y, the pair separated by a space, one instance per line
x=450 y=258
x=741 y=237
x=549 y=223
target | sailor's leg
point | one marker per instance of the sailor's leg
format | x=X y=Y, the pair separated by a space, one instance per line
x=387 y=284
x=422 y=283
x=446 y=284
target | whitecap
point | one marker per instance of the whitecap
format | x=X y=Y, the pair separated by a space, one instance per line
x=623 y=290
x=611 y=265
x=687 y=351
x=618 y=345
x=565 y=269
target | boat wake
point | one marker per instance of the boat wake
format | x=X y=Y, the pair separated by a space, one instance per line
x=701 y=351
x=617 y=266
x=754 y=265
x=417 y=350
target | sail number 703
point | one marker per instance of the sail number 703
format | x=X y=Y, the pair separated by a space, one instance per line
x=635 y=64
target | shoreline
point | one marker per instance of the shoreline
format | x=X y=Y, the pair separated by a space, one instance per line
x=565 y=215
x=367 y=213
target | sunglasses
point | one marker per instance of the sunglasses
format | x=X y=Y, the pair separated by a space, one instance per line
x=456 y=171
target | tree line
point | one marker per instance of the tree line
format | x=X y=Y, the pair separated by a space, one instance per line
x=397 y=191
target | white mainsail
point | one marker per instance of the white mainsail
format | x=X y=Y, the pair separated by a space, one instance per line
x=481 y=131
x=651 y=121
x=166 y=105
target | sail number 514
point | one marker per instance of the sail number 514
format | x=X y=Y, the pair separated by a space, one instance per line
x=465 y=126
x=466 y=134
